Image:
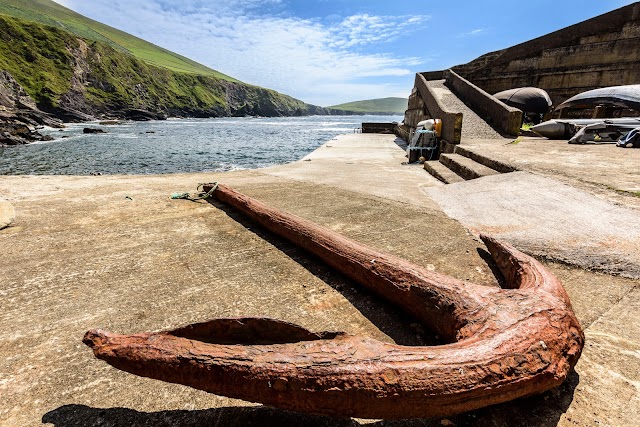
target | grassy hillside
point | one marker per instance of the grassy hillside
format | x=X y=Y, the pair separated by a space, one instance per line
x=50 y=13
x=37 y=58
x=375 y=106
x=61 y=71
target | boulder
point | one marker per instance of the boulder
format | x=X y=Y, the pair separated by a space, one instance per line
x=92 y=130
x=7 y=214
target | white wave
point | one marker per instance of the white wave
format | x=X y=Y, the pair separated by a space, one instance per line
x=336 y=123
x=46 y=142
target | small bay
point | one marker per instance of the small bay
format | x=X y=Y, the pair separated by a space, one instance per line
x=178 y=145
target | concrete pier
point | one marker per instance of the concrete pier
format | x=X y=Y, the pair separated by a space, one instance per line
x=115 y=252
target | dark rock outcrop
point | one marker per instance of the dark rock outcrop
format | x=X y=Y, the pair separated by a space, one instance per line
x=13 y=95
x=15 y=132
x=19 y=116
x=141 y=115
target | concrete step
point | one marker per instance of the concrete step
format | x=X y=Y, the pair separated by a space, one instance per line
x=441 y=172
x=465 y=167
x=484 y=160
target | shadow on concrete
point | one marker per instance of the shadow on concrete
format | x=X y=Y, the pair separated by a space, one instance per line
x=263 y=416
x=400 y=327
x=538 y=411
x=401 y=143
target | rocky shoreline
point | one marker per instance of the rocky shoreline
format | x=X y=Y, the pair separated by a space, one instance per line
x=21 y=119
x=19 y=127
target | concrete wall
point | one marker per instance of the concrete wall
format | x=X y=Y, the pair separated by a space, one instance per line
x=375 y=127
x=433 y=75
x=602 y=51
x=502 y=117
x=451 y=120
x=416 y=111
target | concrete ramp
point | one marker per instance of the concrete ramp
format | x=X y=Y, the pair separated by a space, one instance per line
x=373 y=164
x=546 y=218
x=473 y=126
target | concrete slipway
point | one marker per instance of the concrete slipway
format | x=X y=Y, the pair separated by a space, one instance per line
x=115 y=252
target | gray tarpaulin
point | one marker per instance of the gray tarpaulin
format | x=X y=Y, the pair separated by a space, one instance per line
x=527 y=99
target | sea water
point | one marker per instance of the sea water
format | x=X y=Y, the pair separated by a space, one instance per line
x=178 y=145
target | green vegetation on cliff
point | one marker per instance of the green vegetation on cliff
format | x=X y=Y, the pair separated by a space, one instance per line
x=37 y=58
x=375 y=106
x=60 y=70
x=55 y=15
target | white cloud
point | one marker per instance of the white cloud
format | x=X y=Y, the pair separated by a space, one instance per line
x=366 y=29
x=254 y=41
x=474 y=33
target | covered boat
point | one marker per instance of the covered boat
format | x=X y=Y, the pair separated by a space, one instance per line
x=627 y=96
x=527 y=99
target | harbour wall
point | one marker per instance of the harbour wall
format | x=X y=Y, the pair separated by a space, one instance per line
x=599 y=52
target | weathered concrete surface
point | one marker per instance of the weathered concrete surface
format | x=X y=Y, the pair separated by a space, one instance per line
x=7 y=214
x=81 y=255
x=549 y=219
x=610 y=172
x=367 y=164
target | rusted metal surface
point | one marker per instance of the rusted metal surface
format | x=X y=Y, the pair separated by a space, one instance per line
x=503 y=343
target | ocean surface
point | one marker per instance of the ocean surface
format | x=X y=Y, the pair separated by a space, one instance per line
x=178 y=145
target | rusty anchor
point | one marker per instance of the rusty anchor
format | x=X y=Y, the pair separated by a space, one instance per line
x=502 y=344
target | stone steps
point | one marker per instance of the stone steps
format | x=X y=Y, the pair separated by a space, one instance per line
x=441 y=172
x=465 y=167
x=463 y=164
x=488 y=162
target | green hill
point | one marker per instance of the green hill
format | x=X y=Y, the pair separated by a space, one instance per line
x=68 y=63
x=374 y=106
x=51 y=13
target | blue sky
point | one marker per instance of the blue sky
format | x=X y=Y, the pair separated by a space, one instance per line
x=327 y=52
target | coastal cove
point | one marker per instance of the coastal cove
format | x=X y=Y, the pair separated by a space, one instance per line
x=178 y=145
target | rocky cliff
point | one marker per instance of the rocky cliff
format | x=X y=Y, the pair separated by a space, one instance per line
x=19 y=115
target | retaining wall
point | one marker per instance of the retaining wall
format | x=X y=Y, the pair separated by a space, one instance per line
x=451 y=120
x=599 y=52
